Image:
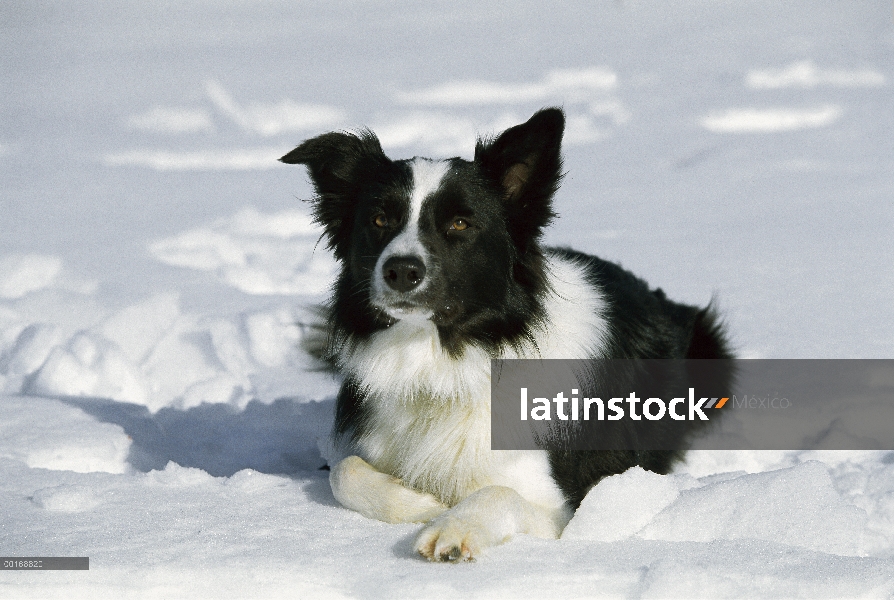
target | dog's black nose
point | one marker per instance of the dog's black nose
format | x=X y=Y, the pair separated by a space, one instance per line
x=403 y=273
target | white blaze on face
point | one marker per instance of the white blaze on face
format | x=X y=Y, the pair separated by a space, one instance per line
x=427 y=177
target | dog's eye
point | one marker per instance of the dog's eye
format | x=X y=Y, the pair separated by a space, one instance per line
x=380 y=221
x=459 y=225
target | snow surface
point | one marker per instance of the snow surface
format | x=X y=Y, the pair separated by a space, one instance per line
x=158 y=273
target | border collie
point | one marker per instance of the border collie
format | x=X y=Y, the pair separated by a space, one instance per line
x=442 y=271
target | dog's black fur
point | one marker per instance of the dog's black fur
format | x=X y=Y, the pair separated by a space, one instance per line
x=463 y=258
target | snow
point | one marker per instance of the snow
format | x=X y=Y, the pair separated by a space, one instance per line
x=255 y=253
x=574 y=85
x=49 y=434
x=158 y=275
x=807 y=74
x=769 y=120
x=23 y=273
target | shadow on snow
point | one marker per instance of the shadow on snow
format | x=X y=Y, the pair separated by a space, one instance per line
x=276 y=438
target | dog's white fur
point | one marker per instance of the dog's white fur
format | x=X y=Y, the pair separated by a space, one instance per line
x=426 y=453
x=427 y=176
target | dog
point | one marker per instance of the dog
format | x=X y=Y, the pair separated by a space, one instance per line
x=442 y=270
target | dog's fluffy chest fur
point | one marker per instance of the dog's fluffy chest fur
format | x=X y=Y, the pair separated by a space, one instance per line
x=419 y=438
x=428 y=413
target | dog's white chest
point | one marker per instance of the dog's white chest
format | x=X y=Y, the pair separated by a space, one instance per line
x=441 y=448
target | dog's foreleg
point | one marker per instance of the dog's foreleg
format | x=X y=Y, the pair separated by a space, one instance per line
x=359 y=486
x=488 y=517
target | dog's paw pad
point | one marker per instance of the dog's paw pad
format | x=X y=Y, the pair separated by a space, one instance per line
x=462 y=553
x=425 y=546
x=450 y=555
x=449 y=542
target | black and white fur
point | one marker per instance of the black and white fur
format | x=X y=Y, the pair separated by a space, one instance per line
x=442 y=270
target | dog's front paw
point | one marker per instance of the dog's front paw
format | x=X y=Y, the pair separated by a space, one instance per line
x=489 y=517
x=359 y=486
x=450 y=538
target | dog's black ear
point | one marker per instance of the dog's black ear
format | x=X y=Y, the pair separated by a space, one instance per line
x=338 y=164
x=526 y=162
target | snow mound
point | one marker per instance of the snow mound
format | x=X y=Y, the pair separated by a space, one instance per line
x=26 y=349
x=269 y=119
x=442 y=122
x=767 y=120
x=50 y=434
x=24 y=273
x=265 y=119
x=55 y=342
x=255 y=253
x=174 y=475
x=569 y=84
x=67 y=498
x=153 y=354
x=88 y=366
x=798 y=506
x=623 y=504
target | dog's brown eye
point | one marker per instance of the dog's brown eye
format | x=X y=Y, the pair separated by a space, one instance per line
x=380 y=221
x=459 y=225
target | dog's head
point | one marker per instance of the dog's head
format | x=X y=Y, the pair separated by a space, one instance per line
x=449 y=241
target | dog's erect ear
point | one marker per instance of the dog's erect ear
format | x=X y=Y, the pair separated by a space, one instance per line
x=339 y=164
x=526 y=162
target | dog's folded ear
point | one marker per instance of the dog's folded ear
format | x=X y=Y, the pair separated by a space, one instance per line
x=338 y=164
x=526 y=162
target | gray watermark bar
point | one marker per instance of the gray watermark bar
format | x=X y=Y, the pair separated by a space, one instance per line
x=44 y=563
x=644 y=405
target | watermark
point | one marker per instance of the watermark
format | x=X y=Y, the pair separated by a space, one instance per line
x=653 y=409
x=44 y=563
x=643 y=405
x=767 y=402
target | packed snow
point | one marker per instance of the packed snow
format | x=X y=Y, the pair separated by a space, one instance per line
x=159 y=272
